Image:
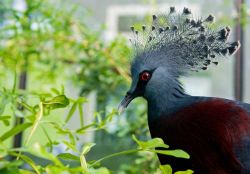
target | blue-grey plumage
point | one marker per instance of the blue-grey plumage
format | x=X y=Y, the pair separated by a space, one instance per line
x=214 y=131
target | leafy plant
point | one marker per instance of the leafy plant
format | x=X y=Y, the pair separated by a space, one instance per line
x=58 y=163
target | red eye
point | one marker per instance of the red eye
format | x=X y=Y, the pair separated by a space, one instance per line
x=145 y=76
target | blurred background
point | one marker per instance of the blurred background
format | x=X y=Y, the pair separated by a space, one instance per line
x=118 y=15
x=83 y=45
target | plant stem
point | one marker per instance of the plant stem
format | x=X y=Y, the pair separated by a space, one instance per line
x=126 y=152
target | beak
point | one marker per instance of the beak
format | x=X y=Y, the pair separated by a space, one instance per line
x=125 y=102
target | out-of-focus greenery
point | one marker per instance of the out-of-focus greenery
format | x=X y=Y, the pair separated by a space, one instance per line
x=53 y=47
x=51 y=41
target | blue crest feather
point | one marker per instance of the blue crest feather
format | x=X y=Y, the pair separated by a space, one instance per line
x=182 y=43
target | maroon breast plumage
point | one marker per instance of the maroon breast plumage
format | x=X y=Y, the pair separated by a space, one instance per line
x=209 y=131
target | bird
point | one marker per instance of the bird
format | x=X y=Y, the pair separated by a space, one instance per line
x=214 y=131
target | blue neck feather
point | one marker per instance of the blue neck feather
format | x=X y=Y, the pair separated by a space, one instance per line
x=167 y=99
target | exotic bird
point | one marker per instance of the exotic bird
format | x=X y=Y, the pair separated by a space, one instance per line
x=214 y=131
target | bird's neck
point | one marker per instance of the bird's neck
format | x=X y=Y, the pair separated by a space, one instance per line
x=167 y=100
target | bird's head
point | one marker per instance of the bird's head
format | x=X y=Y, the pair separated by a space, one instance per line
x=172 y=46
x=147 y=77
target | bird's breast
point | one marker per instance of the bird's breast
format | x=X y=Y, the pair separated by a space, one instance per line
x=209 y=131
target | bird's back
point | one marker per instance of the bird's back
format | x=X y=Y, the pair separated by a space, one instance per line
x=246 y=106
x=244 y=154
x=215 y=132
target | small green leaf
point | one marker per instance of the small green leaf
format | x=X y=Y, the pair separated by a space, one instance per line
x=12 y=132
x=83 y=129
x=40 y=151
x=87 y=147
x=72 y=138
x=14 y=84
x=60 y=129
x=30 y=162
x=81 y=114
x=50 y=143
x=5 y=165
x=81 y=100
x=8 y=164
x=101 y=170
x=27 y=106
x=56 y=91
x=185 y=172
x=62 y=89
x=5 y=120
x=110 y=116
x=153 y=143
x=39 y=116
x=5 y=117
x=60 y=101
x=71 y=112
x=70 y=146
x=4 y=100
x=176 y=153
x=68 y=156
x=166 y=169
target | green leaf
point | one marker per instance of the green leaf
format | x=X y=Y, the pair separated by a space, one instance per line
x=110 y=116
x=72 y=138
x=5 y=120
x=39 y=116
x=26 y=106
x=60 y=129
x=87 y=147
x=12 y=132
x=83 y=129
x=62 y=89
x=81 y=114
x=15 y=80
x=40 y=151
x=101 y=170
x=4 y=165
x=166 y=169
x=185 y=172
x=70 y=146
x=50 y=143
x=25 y=171
x=81 y=100
x=153 y=143
x=30 y=162
x=68 y=156
x=71 y=112
x=5 y=117
x=57 y=92
x=52 y=169
x=60 y=101
x=176 y=153
x=4 y=100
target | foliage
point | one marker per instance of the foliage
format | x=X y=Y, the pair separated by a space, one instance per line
x=52 y=47
x=52 y=41
x=58 y=163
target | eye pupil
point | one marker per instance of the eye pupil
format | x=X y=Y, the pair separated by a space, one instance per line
x=145 y=76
